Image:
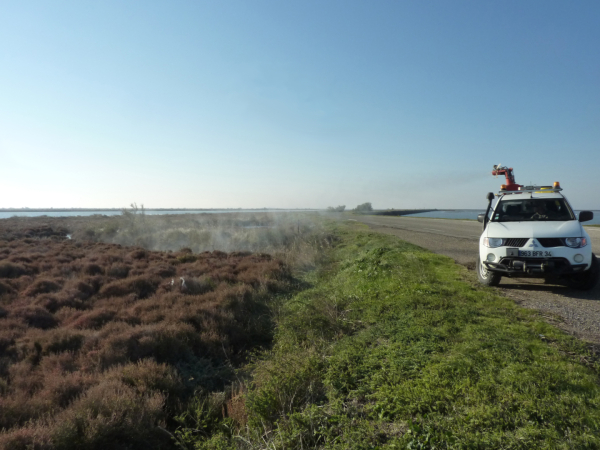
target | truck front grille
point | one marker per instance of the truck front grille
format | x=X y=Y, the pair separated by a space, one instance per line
x=515 y=242
x=551 y=242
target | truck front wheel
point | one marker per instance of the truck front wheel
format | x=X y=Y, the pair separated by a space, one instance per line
x=485 y=276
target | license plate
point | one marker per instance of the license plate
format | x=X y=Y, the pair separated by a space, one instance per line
x=535 y=253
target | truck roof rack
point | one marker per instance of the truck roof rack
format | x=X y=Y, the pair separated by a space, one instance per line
x=533 y=189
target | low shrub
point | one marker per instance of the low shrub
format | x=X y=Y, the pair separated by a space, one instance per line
x=147 y=375
x=6 y=289
x=94 y=319
x=62 y=362
x=35 y=316
x=112 y=415
x=42 y=286
x=186 y=258
x=139 y=253
x=62 y=340
x=198 y=286
x=28 y=437
x=141 y=286
x=118 y=271
x=92 y=269
x=164 y=271
x=86 y=288
x=67 y=298
x=62 y=388
x=11 y=270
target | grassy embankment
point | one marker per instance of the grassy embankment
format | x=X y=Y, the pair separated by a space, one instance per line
x=394 y=347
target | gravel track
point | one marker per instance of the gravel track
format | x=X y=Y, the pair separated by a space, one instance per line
x=577 y=312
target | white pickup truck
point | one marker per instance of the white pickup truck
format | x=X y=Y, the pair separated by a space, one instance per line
x=533 y=232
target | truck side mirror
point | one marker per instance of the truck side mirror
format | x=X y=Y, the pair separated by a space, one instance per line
x=480 y=218
x=584 y=216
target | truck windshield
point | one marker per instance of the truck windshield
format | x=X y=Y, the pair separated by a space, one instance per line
x=555 y=209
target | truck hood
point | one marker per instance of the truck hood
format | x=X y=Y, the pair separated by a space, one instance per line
x=571 y=228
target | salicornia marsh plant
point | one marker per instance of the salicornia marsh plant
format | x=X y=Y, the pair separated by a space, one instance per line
x=101 y=345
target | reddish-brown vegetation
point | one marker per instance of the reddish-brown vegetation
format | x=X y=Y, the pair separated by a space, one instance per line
x=100 y=345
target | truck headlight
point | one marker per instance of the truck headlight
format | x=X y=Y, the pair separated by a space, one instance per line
x=493 y=242
x=575 y=242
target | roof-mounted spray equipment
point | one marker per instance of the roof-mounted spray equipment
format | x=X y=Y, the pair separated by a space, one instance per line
x=511 y=184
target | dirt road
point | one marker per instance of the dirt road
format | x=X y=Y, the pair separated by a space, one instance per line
x=575 y=311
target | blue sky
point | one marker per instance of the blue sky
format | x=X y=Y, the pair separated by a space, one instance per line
x=406 y=104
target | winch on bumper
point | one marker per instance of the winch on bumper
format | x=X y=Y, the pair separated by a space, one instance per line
x=530 y=266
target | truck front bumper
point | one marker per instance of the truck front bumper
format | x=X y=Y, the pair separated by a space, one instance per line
x=534 y=266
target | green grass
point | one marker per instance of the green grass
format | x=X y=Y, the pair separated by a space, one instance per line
x=395 y=347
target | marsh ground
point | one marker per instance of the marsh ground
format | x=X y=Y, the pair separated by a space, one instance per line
x=109 y=326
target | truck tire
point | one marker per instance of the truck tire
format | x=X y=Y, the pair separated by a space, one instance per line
x=586 y=280
x=485 y=276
